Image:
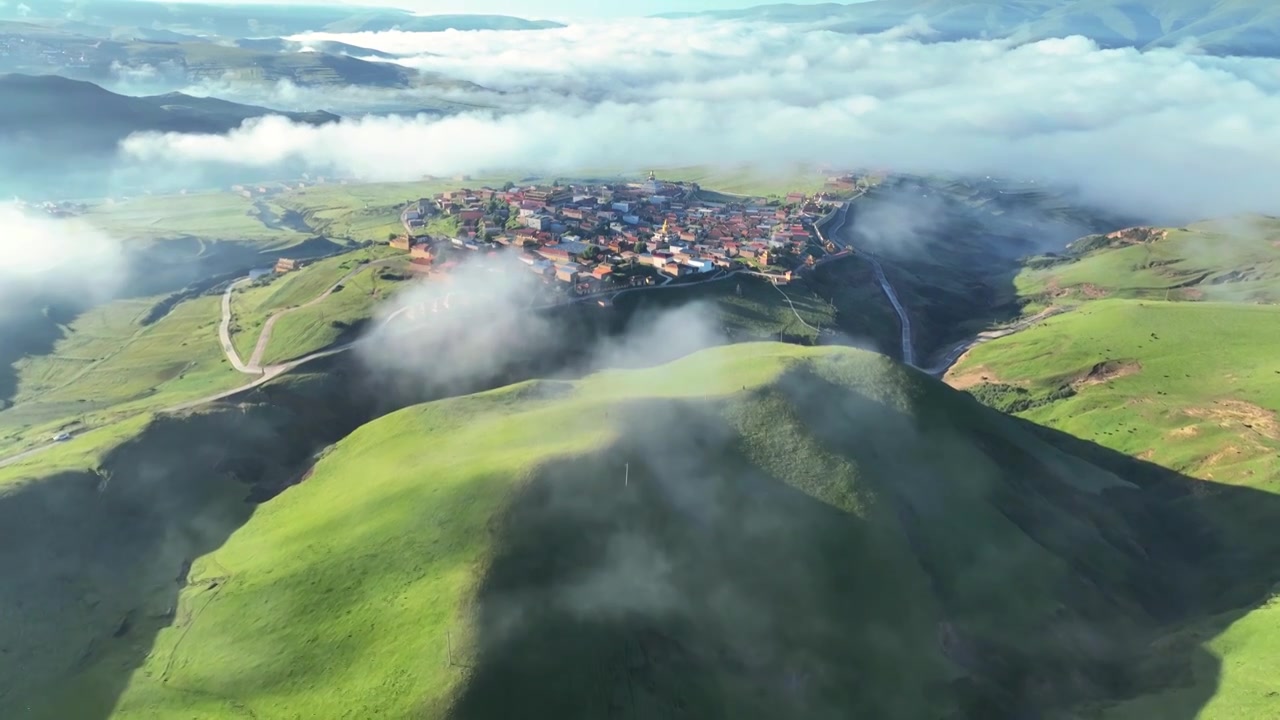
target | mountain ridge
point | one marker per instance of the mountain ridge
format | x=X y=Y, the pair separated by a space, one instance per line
x=1229 y=27
x=764 y=529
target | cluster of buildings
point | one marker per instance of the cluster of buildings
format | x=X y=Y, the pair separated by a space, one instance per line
x=593 y=237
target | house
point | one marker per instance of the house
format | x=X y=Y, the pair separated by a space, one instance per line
x=421 y=251
x=401 y=242
x=284 y=265
x=675 y=269
x=554 y=253
x=602 y=271
x=567 y=273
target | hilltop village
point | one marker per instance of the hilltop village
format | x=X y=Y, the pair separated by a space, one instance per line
x=590 y=238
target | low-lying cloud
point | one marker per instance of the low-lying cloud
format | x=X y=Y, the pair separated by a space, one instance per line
x=1166 y=133
x=39 y=250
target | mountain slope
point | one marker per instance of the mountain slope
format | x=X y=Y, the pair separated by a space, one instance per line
x=1163 y=348
x=754 y=531
x=53 y=130
x=257 y=20
x=1227 y=27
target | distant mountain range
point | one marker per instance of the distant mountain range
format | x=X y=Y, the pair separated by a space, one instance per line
x=251 y=20
x=53 y=128
x=1220 y=27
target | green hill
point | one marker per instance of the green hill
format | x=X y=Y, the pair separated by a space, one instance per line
x=1164 y=348
x=753 y=531
x=61 y=135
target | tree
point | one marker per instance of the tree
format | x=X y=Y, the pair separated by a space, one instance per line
x=640 y=247
x=591 y=253
x=513 y=222
x=391 y=236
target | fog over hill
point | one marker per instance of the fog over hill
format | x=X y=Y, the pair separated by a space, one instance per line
x=254 y=20
x=1230 y=27
x=1122 y=124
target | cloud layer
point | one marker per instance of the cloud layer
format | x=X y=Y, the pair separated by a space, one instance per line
x=1168 y=133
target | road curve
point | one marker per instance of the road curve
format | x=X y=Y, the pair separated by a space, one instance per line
x=264 y=338
x=224 y=331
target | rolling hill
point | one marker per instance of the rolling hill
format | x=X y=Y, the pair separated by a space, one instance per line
x=1227 y=27
x=60 y=133
x=258 y=20
x=1162 y=347
x=753 y=531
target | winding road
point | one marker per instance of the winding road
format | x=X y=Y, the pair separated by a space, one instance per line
x=254 y=366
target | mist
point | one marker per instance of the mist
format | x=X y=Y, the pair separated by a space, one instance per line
x=1125 y=127
x=491 y=315
x=56 y=259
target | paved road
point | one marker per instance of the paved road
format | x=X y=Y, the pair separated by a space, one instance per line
x=904 y=320
x=264 y=338
x=908 y=348
x=224 y=330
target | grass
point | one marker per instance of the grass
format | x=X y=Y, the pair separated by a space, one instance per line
x=1234 y=260
x=110 y=366
x=781 y=546
x=367 y=211
x=749 y=181
x=1201 y=378
x=1236 y=675
x=215 y=215
x=325 y=323
x=252 y=305
x=760 y=312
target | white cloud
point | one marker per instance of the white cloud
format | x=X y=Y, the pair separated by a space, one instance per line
x=33 y=245
x=1166 y=132
x=64 y=258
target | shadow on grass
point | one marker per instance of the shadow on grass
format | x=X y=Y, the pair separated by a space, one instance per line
x=983 y=572
x=952 y=256
x=801 y=551
x=94 y=561
x=178 y=269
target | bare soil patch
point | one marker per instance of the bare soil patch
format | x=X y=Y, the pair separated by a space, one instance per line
x=1185 y=432
x=1232 y=413
x=973 y=376
x=1106 y=371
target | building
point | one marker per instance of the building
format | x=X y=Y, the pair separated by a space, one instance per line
x=675 y=269
x=421 y=251
x=284 y=265
x=402 y=242
x=548 y=196
x=567 y=273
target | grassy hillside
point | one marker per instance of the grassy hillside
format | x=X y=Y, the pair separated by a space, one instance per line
x=747 y=308
x=752 y=531
x=308 y=327
x=112 y=364
x=1235 y=260
x=1164 y=352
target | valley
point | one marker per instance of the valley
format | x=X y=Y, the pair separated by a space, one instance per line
x=901 y=359
x=769 y=451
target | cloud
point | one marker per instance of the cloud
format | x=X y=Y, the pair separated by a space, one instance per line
x=56 y=259
x=492 y=316
x=34 y=246
x=1165 y=133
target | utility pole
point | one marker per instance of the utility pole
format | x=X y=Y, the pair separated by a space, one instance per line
x=626 y=478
